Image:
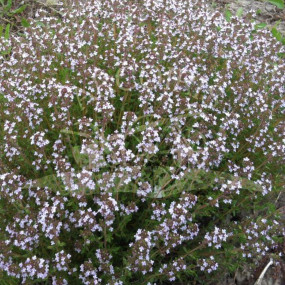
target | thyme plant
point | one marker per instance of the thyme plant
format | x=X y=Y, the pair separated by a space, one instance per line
x=141 y=142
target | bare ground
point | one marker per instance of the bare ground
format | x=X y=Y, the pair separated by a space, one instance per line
x=266 y=12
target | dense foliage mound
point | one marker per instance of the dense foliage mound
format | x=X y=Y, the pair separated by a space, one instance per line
x=140 y=143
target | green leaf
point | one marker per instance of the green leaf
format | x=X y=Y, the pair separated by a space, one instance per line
x=1 y=30
x=51 y=2
x=25 y=23
x=276 y=34
x=8 y=51
x=260 y=26
x=75 y=133
x=8 y=6
x=277 y=3
x=239 y=12
x=228 y=15
x=41 y=24
x=19 y=10
x=60 y=243
x=258 y=12
x=7 y=32
x=80 y=159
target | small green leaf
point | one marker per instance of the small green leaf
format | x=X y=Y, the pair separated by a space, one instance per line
x=258 y=12
x=228 y=15
x=25 y=23
x=8 y=6
x=51 y=2
x=239 y=12
x=19 y=10
x=260 y=26
x=277 y=3
x=7 y=32
x=75 y=133
x=276 y=34
x=8 y=51
x=1 y=30
x=41 y=24
x=60 y=243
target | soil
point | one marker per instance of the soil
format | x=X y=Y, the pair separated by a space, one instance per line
x=265 y=11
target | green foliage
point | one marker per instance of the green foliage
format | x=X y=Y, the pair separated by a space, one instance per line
x=12 y=16
x=260 y=26
x=239 y=12
x=278 y=3
x=228 y=15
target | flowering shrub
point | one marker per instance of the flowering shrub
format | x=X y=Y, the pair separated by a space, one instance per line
x=136 y=136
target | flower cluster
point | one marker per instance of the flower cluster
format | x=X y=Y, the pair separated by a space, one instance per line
x=208 y=265
x=215 y=239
